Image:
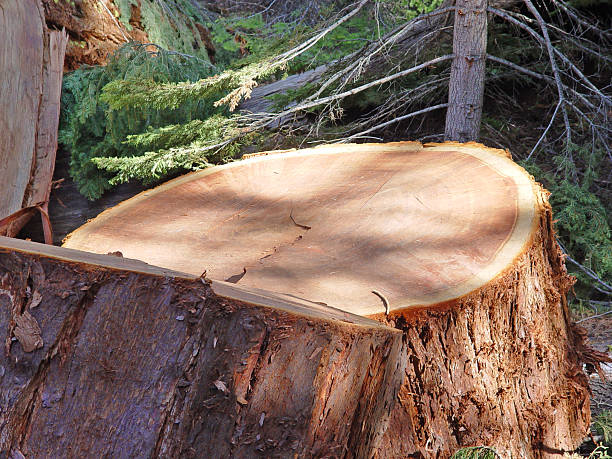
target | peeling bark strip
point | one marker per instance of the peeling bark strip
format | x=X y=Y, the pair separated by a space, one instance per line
x=32 y=60
x=138 y=361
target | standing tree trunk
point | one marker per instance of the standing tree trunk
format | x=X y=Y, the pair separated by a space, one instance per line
x=466 y=86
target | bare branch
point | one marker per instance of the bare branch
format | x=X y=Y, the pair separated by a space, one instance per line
x=292 y=53
x=342 y=95
x=552 y=119
x=585 y=81
x=587 y=271
x=395 y=120
x=596 y=316
x=555 y=69
x=569 y=11
x=388 y=40
x=541 y=76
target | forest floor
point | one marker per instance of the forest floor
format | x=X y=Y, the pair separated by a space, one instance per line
x=600 y=336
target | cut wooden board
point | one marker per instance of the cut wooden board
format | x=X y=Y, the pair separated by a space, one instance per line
x=420 y=225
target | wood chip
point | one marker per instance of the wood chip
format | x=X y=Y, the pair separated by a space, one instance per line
x=36 y=299
x=28 y=332
x=220 y=385
x=241 y=400
x=315 y=352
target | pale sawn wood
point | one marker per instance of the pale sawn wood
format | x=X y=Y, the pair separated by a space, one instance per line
x=32 y=60
x=420 y=225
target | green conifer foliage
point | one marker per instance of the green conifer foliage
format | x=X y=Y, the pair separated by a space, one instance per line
x=89 y=129
x=168 y=23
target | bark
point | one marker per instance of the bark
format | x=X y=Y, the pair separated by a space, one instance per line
x=468 y=270
x=69 y=209
x=466 y=86
x=32 y=57
x=110 y=357
x=501 y=366
x=94 y=33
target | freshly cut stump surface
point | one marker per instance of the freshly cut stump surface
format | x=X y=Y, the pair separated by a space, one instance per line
x=451 y=243
x=419 y=225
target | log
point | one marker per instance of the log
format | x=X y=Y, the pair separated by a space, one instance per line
x=450 y=243
x=110 y=357
x=32 y=58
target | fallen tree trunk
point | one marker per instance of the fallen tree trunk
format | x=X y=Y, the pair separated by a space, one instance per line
x=450 y=243
x=33 y=57
x=109 y=357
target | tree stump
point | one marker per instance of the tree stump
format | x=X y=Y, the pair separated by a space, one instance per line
x=450 y=247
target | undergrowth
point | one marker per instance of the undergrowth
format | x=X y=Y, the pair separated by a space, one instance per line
x=582 y=221
x=602 y=423
x=89 y=129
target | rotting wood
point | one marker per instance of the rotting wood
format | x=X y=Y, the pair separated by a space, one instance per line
x=138 y=361
x=32 y=59
x=456 y=237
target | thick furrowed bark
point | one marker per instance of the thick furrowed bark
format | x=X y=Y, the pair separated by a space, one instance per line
x=151 y=363
x=498 y=367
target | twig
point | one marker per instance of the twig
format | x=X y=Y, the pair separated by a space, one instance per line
x=596 y=316
x=390 y=39
x=585 y=81
x=395 y=120
x=579 y=20
x=552 y=119
x=384 y=300
x=325 y=100
x=306 y=227
x=292 y=53
x=555 y=69
x=589 y=272
x=101 y=2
